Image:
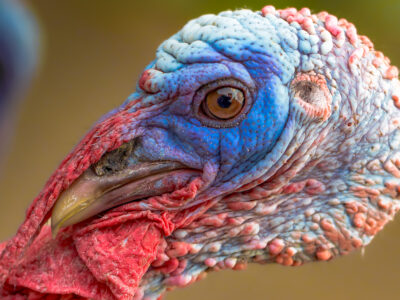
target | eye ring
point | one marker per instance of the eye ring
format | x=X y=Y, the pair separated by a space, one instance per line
x=209 y=119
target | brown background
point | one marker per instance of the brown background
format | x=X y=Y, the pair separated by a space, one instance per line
x=93 y=53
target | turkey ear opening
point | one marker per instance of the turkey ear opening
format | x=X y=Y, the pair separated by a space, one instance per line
x=311 y=94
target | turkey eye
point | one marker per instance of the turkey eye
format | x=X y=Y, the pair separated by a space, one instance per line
x=224 y=103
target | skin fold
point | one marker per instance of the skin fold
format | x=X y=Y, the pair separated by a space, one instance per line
x=162 y=191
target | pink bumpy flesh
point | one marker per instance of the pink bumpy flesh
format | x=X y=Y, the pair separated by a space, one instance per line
x=290 y=215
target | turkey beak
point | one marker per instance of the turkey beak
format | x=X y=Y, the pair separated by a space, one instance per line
x=92 y=194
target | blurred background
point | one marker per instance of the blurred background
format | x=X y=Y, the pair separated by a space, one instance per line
x=93 y=53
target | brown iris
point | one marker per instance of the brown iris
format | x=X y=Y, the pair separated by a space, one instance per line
x=224 y=103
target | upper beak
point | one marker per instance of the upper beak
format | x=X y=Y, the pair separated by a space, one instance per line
x=91 y=194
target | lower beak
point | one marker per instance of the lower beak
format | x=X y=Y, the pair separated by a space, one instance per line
x=91 y=194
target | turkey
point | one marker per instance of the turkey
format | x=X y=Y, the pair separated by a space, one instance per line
x=253 y=137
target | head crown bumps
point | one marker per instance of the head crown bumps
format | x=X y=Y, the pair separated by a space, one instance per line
x=230 y=35
x=327 y=31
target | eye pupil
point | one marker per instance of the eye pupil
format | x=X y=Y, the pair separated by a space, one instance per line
x=224 y=101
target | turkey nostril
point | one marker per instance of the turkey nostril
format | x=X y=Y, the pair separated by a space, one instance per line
x=116 y=160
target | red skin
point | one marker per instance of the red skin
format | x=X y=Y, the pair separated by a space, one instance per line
x=95 y=258
x=88 y=253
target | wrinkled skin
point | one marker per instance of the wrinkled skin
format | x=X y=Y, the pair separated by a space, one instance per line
x=307 y=171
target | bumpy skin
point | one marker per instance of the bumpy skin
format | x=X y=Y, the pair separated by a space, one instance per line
x=18 y=59
x=300 y=178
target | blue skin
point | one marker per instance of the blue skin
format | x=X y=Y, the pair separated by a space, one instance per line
x=278 y=142
x=265 y=54
x=237 y=151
